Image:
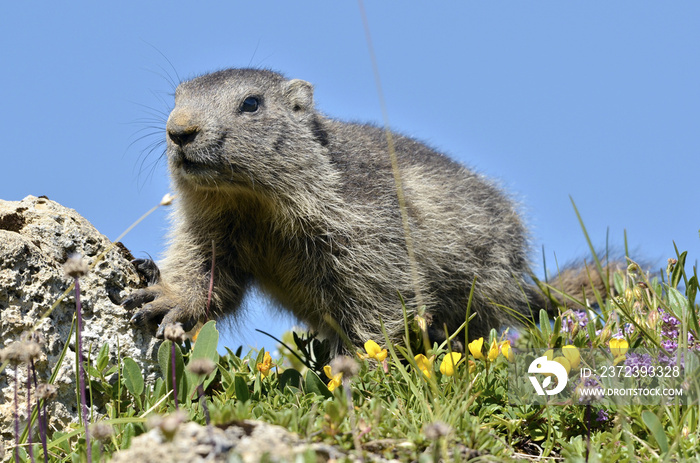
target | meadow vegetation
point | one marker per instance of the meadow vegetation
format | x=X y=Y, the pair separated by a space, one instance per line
x=409 y=402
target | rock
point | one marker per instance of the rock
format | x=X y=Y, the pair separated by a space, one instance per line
x=36 y=238
x=247 y=441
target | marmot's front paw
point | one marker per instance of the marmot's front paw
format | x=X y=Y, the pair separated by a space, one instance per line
x=150 y=315
x=159 y=313
x=140 y=297
x=157 y=307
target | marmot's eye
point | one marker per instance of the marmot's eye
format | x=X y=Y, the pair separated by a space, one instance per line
x=250 y=104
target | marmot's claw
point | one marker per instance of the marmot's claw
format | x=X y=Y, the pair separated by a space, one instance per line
x=150 y=316
x=137 y=319
x=138 y=298
x=160 y=334
x=148 y=269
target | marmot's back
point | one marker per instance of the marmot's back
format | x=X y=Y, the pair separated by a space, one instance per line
x=307 y=207
x=464 y=228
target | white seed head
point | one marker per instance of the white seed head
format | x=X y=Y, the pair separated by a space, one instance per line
x=75 y=266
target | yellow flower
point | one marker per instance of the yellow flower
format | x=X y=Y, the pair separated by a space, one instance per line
x=373 y=351
x=265 y=366
x=618 y=347
x=572 y=355
x=549 y=354
x=563 y=362
x=507 y=351
x=196 y=334
x=475 y=347
x=335 y=379
x=424 y=364
x=493 y=351
x=447 y=367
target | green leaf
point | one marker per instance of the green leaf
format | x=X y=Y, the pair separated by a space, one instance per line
x=165 y=362
x=207 y=342
x=290 y=377
x=619 y=282
x=335 y=412
x=544 y=325
x=204 y=347
x=133 y=378
x=241 y=387
x=596 y=259
x=678 y=269
x=591 y=325
x=164 y=357
x=556 y=330
x=226 y=377
x=128 y=434
x=657 y=430
x=93 y=372
x=159 y=388
x=677 y=303
x=102 y=357
x=692 y=290
x=312 y=383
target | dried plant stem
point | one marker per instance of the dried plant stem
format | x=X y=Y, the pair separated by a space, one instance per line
x=353 y=420
x=211 y=278
x=29 y=410
x=16 y=414
x=203 y=403
x=394 y=162
x=81 y=372
x=43 y=428
x=41 y=414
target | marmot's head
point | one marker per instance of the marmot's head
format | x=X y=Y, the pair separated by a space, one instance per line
x=243 y=128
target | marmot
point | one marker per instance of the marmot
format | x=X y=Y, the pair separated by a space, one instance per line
x=306 y=207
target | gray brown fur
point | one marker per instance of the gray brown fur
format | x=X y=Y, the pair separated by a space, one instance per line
x=306 y=207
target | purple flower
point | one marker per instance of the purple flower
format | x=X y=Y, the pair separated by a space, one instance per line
x=669 y=345
x=574 y=318
x=669 y=324
x=591 y=382
x=582 y=318
x=588 y=383
x=668 y=319
x=602 y=416
x=638 y=360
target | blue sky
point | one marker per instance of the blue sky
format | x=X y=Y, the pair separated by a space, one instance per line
x=595 y=100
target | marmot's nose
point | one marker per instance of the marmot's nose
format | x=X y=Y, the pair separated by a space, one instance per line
x=181 y=136
x=181 y=127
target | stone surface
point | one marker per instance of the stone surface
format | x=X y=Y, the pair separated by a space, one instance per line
x=247 y=441
x=36 y=238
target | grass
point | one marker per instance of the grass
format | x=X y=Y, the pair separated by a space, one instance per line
x=392 y=402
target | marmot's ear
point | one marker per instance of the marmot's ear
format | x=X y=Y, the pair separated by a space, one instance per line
x=299 y=94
